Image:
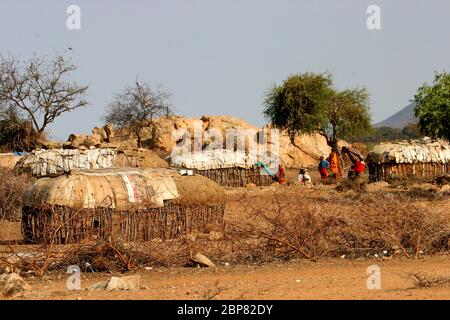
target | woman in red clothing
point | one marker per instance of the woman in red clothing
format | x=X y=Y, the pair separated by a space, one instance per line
x=357 y=160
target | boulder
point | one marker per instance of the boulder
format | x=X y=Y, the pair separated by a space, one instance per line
x=305 y=151
x=75 y=141
x=127 y=283
x=94 y=140
x=202 y=260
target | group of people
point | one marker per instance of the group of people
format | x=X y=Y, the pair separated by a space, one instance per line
x=334 y=164
x=330 y=167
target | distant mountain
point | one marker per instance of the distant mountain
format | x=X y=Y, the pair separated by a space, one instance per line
x=400 y=119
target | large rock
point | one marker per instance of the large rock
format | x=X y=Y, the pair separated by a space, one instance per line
x=202 y=260
x=305 y=151
x=127 y=283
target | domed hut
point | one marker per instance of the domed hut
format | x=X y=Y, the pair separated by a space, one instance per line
x=129 y=204
x=419 y=158
x=226 y=167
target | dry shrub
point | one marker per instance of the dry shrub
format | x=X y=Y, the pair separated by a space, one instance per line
x=291 y=225
x=442 y=180
x=356 y=185
x=422 y=280
x=12 y=187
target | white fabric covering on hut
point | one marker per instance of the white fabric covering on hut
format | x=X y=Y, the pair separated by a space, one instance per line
x=60 y=161
x=121 y=189
x=220 y=159
x=418 y=151
x=212 y=159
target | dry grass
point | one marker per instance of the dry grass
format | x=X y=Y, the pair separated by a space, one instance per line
x=12 y=187
x=264 y=225
x=422 y=280
x=292 y=225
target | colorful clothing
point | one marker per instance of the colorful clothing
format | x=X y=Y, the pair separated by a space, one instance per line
x=354 y=155
x=335 y=166
x=323 y=165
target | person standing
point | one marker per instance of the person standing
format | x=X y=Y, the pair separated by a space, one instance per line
x=281 y=175
x=335 y=163
x=357 y=159
x=323 y=165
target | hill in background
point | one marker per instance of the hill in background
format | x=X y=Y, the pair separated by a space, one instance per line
x=400 y=119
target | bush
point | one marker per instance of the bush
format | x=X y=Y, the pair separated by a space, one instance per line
x=12 y=187
x=294 y=226
x=17 y=134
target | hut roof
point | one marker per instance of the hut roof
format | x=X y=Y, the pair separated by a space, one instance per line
x=54 y=162
x=217 y=159
x=211 y=159
x=415 y=151
x=122 y=189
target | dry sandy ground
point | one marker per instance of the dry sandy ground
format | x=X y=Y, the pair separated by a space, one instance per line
x=327 y=279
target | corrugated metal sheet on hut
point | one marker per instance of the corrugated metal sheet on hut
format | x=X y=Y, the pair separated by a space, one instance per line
x=226 y=167
x=421 y=158
x=131 y=204
x=54 y=162
x=9 y=160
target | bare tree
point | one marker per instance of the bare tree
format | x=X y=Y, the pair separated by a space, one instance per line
x=40 y=89
x=137 y=107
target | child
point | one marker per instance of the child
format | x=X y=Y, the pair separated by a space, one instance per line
x=323 y=165
x=303 y=177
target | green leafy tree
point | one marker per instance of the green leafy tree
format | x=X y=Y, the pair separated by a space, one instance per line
x=348 y=116
x=433 y=107
x=308 y=103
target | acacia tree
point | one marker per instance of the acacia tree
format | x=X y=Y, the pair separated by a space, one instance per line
x=307 y=103
x=137 y=107
x=40 y=90
x=348 y=116
x=432 y=107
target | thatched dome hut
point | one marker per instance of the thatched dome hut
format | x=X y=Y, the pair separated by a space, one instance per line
x=226 y=167
x=132 y=204
x=421 y=158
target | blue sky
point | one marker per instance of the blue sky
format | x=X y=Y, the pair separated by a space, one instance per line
x=218 y=57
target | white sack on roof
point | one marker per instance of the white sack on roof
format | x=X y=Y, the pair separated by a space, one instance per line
x=212 y=159
x=217 y=159
x=418 y=151
x=60 y=161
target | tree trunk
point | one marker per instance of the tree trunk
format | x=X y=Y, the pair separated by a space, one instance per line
x=139 y=141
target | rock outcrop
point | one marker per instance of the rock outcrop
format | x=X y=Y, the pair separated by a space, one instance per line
x=305 y=151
